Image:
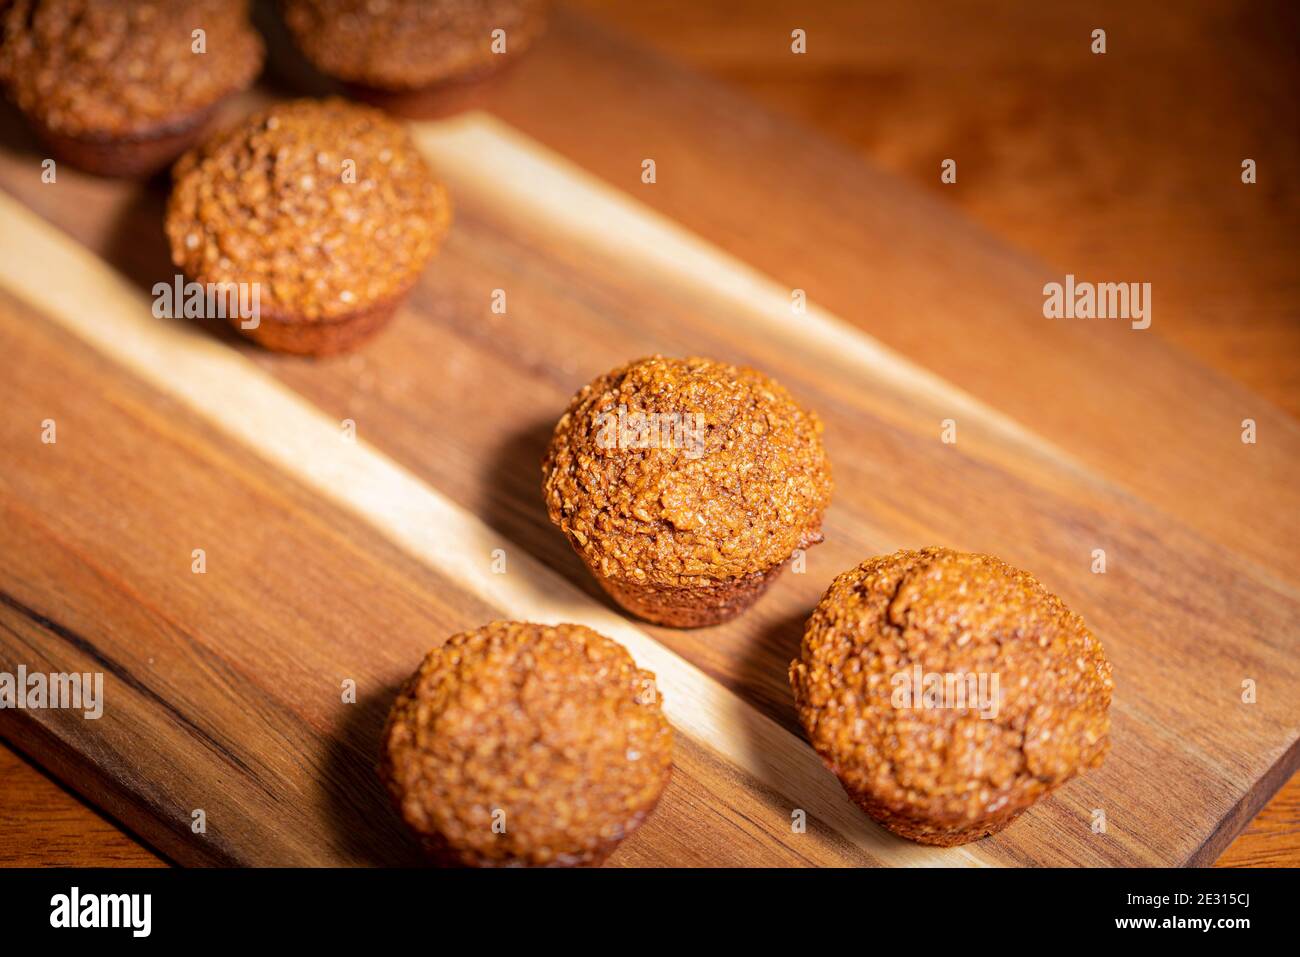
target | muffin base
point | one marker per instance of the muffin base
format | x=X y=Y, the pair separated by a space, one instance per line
x=928 y=831
x=436 y=100
x=453 y=93
x=693 y=607
x=134 y=156
x=298 y=335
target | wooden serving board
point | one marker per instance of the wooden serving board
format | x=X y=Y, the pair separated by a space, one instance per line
x=329 y=559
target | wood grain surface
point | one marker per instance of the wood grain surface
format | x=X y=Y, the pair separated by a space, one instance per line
x=595 y=276
x=1119 y=155
x=1125 y=164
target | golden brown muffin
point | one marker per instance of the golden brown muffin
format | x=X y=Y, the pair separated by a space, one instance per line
x=526 y=745
x=401 y=46
x=327 y=206
x=867 y=688
x=686 y=485
x=117 y=88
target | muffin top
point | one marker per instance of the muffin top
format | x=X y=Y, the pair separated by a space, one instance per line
x=106 y=68
x=326 y=204
x=670 y=472
x=937 y=611
x=552 y=734
x=408 y=44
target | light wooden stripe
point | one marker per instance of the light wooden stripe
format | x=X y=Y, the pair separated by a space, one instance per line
x=495 y=161
x=84 y=295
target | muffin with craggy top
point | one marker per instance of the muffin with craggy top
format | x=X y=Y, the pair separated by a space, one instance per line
x=949 y=692
x=327 y=207
x=390 y=53
x=686 y=485
x=122 y=89
x=520 y=744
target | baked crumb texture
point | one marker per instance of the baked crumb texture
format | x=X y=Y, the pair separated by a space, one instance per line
x=526 y=745
x=117 y=88
x=325 y=204
x=407 y=45
x=949 y=776
x=682 y=537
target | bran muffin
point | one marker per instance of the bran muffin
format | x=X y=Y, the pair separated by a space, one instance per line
x=326 y=205
x=943 y=774
x=117 y=88
x=686 y=485
x=526 y=745
x=389 y=53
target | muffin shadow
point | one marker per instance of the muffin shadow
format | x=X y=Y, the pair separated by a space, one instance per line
x=287 y=73
x=512 y=505
x=763 y=670
x=136 y=247
x=18 y=135
x=357 y=807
